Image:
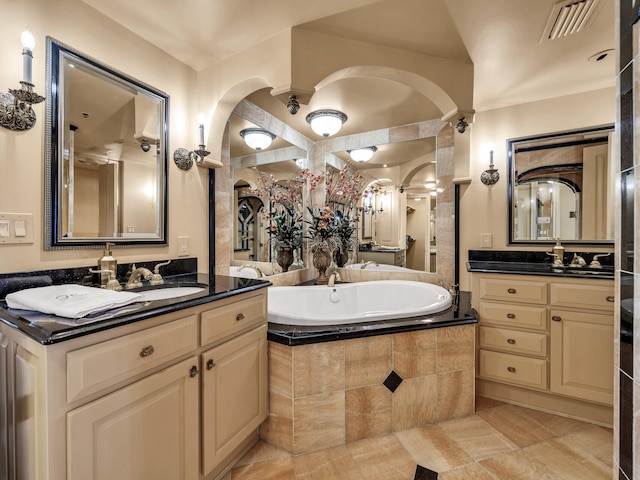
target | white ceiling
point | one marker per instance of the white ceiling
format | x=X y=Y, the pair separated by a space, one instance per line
x=500 y=37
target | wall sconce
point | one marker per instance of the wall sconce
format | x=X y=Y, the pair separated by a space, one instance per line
x=462 y=125
x=326 y=122
x=184 y=159
x=362 y=155
x=257 y=138
x=491 y=176
x=15 y=107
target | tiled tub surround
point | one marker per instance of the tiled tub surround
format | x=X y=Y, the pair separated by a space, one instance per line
x=332 y=393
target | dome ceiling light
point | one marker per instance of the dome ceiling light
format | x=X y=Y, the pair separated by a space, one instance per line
x=363 y=154
x=257 y=138
x=326 y=122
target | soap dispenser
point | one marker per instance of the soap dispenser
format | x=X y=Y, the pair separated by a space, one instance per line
x=107 y=262
x=559 y=251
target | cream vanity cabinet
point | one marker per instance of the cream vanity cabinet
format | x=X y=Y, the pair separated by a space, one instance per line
x=177 y=396
x=546 y=342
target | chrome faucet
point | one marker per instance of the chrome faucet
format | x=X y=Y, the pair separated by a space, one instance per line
x=134 y=279
x=254 y=268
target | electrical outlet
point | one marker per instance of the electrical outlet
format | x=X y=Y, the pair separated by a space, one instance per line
x=183 y=246
x=486 y=240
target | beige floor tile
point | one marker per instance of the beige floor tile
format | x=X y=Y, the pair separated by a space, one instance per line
x=318 y=422
x=432 y=448
x=482 y=403
x=382 y=458
x=517 y=466
x=472 y=471
x=368 y=361
x=559 y=425
x=260 y=452
x=479 y=439
x=594 y=441
x=516 y=424
x=414 y=403
x=568 y=463
x=331 y=464
x=367 y=412
x=277 y=469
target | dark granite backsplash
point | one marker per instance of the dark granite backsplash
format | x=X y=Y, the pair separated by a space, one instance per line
x=12 y=282
x=534 y=257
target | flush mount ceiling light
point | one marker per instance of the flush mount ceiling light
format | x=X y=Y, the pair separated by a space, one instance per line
x=257 y=138
x=326 y=122
x=363 y=154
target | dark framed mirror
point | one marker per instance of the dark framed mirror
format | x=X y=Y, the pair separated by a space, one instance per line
x=106 y=137
x=561 y=185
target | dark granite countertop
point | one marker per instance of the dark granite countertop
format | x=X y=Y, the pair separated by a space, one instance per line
x=536 y=263
x=49 y=329
x=460 y=313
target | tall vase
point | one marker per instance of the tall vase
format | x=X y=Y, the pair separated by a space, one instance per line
x=322 y=260
x=284 y=257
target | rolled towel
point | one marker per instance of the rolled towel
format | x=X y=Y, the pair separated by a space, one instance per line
x=70 y=301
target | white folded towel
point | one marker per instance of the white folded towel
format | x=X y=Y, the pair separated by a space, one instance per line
x=70 y=301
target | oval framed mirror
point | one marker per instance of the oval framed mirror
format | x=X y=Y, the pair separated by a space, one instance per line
x=106 y=137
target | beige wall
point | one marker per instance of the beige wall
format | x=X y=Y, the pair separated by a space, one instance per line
x=22 y=153
x=483 y=209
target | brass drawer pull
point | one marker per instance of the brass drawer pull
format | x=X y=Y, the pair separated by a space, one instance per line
x=239 y=317
x=193 y=371
x=511 y=369
x=611 y=299
x=511 y=290
x=210 y=364
x=511 y=315
x=556 y=318
x=511 y=341
x=146 y=351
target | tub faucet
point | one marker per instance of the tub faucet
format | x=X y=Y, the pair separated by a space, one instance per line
x=332 y=279
x=370 y=262
x=134 y=280
x=254 y=268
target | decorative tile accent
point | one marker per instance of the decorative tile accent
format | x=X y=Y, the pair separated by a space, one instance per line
x=423 y=473
x=393 y=381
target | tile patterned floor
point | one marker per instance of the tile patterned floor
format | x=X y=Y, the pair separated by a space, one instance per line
x=499 y=442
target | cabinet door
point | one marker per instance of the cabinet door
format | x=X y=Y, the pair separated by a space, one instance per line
x=582 y=355
x=148 y=430
x=234 y=394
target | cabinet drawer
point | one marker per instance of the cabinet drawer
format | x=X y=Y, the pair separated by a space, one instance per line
x=96 y=367
x=231 y=318
x=513 y=315
x=504 y=367
x=514 y=341
x=513 y=291
x=576 y=295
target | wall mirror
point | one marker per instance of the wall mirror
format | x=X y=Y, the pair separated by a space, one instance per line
x=561 y=185
x=263 y=182
x=106 y=155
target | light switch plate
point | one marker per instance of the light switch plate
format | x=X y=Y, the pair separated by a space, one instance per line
x=184 y=246
x=486 y=240
x=19 y=226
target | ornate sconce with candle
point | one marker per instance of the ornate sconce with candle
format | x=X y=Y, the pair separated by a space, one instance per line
x=15 y=107
x=184 y=158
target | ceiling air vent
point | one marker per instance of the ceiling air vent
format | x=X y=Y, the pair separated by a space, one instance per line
x=569 y=17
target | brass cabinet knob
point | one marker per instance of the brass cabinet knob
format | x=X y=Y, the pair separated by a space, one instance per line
x=210 y=364
x=611 y=299
x=146 y=351
x=511 y=290
x=193 y=371
x=511 y=341
x=511 y=315
x=556 y=318
x=239 y=317
x=511 y=369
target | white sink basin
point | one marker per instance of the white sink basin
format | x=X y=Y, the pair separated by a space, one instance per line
x=168 y=292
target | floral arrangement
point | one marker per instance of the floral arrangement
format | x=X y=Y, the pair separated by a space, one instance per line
x=284 y=215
